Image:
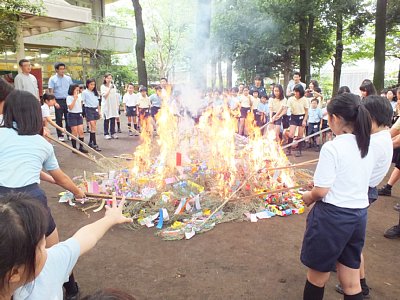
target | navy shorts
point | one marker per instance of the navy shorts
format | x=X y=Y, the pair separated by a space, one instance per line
x=372 y=194
x=296 y=120
x=313 y=128
x=144 y=112
x=277 y=122
x=131 y=111
x=324 y=124
x=92 y=114
x=83 y=111
x=333 y=234
x=74 y=119
x=154 y=110
x=244 y=111
x=34 y=191
x=396 y=158
x=285 y=121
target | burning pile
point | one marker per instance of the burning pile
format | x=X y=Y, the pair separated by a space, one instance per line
x=181 y=177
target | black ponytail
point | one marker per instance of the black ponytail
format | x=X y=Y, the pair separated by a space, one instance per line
x=348 y=107
x=362 y=129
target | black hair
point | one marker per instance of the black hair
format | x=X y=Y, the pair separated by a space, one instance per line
x=164 y=79
x=105 y=76
x=254 y=91
x=258 y=77
x=57 y=65
x=281 y=93
x=235 y=89
x=47 y=97
x=299 y=88
x=24 y=109
x=131 y=83
x=264 y=96
x=314 y=100
x=343 y=89
x=315 y=84
x=380 y=110
x=158 y=87
x=22 y=61
x=72 y=88
x=348 y=107
x=368 y=86
x=23 y=224
x=5 y=89
x=297 y=73
x=89 y=81
x=143 y=89
x=109 y=294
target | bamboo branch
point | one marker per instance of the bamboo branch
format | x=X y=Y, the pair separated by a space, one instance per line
x=71 y=148
x=273 y=191
x=104 y=196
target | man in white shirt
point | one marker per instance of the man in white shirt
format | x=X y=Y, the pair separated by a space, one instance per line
x=292 y=83
x=25 y=81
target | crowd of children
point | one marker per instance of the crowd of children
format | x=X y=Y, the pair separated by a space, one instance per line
x=349 y=169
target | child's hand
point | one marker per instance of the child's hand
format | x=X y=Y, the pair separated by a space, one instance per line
x=115 y=211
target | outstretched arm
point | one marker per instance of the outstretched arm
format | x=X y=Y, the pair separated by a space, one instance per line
x=89 y=235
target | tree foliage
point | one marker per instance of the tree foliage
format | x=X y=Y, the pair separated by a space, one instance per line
x=11 y=16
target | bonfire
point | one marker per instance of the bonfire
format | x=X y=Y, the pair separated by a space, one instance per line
x=190 y=176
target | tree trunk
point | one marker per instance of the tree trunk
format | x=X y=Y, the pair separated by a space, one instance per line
x=200 y=54
x=220 y=78
x=309 y=38
x=380 y=40
x=229 y=71
x=302 y=45
x=140 y=43
x=337 y=68
x=213 y=71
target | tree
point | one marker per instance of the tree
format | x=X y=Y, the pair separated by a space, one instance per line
x=140 y=43
x=380 y=40
x=11 y=17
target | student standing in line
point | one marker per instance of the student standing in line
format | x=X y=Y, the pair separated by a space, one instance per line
x=156 y=103
x=339 y=216
x=24 y=153
x=314 y=122
x=130 y=102
x=92 y=108
x=74 y=116
x=25 y=81
x=277 y=109
x=245 y=109
x=109 y=106
x=59 y=85
x=298 y=105
x=144 y=109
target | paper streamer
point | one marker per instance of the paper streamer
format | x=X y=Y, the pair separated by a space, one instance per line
x=161 y=219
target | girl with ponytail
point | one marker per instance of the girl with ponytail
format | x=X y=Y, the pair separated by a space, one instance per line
x=335 y=230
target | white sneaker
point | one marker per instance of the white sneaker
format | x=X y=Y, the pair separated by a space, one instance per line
x=61 y=138
x=107 y=137
x=114 y=136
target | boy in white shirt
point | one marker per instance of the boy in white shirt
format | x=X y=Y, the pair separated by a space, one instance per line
x=130 y=102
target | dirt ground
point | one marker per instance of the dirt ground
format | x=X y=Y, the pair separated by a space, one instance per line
x=239 y=260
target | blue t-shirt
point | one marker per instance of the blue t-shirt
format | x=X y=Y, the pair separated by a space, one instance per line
x=60 y=85
x=155 y=100
x=90 y=99
x=61 y=259
x=263 y=107
x=314 y=115
x=22 y=157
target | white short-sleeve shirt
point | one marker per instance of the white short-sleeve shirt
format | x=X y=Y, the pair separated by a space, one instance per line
x=77 y=108
x=344 y=172
x=130 y=99
x=381 y=146
x=61 y=259
x=45 y=111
